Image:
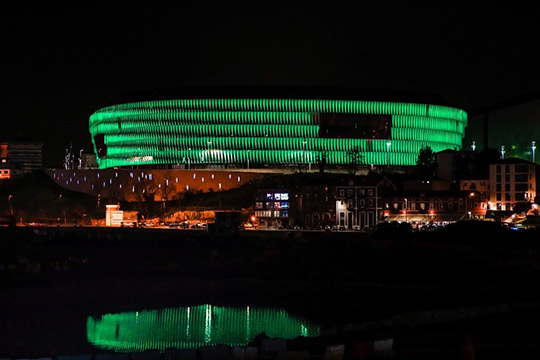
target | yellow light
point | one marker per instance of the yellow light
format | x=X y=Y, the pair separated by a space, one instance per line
x=253 y=218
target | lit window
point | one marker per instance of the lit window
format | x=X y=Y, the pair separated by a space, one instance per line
x=150 y=176
x=177 y=180
x=202 y=179
x=187 y=187
x=230 y=176
x=239 y=178
x=212 y=176
x=194 y=175
x=133 y=189
x=219 y=185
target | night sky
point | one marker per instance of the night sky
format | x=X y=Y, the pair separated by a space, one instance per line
x=61 y=63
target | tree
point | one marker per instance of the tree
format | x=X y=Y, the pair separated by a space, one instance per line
x=355 y=159
x=321 y=160
x=426 y=165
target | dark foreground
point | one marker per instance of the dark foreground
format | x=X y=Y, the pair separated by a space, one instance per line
x=432 y=295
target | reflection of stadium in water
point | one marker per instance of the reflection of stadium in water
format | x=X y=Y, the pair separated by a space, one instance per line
x=193 y=327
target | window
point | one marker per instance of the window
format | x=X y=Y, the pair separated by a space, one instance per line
x=350 y=204
x=349 y=192
x=396 y=206
x=341 y=192
x=269 y=205
x=363 y=203
x=498 y=169
x=499 y=198
x=362 y=192
x=507 y=197
x=422 y=206
x=370 y=192
x=370 y=202
x=507 y=177
x=499 y=188
x=258 y=205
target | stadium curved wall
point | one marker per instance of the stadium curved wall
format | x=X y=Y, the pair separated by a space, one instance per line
x=274 y=132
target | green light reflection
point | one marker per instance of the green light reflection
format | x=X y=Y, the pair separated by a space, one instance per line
x=193 y=327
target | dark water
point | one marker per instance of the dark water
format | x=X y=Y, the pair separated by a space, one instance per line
x=193 y=327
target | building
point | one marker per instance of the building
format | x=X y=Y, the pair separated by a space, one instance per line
x=512 y=180
x=273 y=208
x=358 y=204
x=317 y=205
x=19 y=158
x=441 y=207
x=273 y=127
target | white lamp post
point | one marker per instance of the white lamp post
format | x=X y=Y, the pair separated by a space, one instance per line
x=388 y=144
x=10 y=206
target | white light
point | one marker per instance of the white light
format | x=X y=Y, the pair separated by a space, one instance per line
x=202 y=179
x=187 y=187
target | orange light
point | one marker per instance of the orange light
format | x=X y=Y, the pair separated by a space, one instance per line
x=471 y=194
x=431 y=212
x=253 y=218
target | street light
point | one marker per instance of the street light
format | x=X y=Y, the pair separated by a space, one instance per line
x=10 y=206
x=304 y=153
x=533 y=147
x=473 y=146
x=406 y=207
x=467 y=212
x=63 y=209
x=388 y=144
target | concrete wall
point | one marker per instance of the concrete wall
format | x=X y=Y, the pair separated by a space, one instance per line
x=136 y=184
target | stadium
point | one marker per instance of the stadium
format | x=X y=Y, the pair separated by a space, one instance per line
x=272 y=128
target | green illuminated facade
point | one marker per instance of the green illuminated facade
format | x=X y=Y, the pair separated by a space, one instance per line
x=274 y=132
x=193 y=327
